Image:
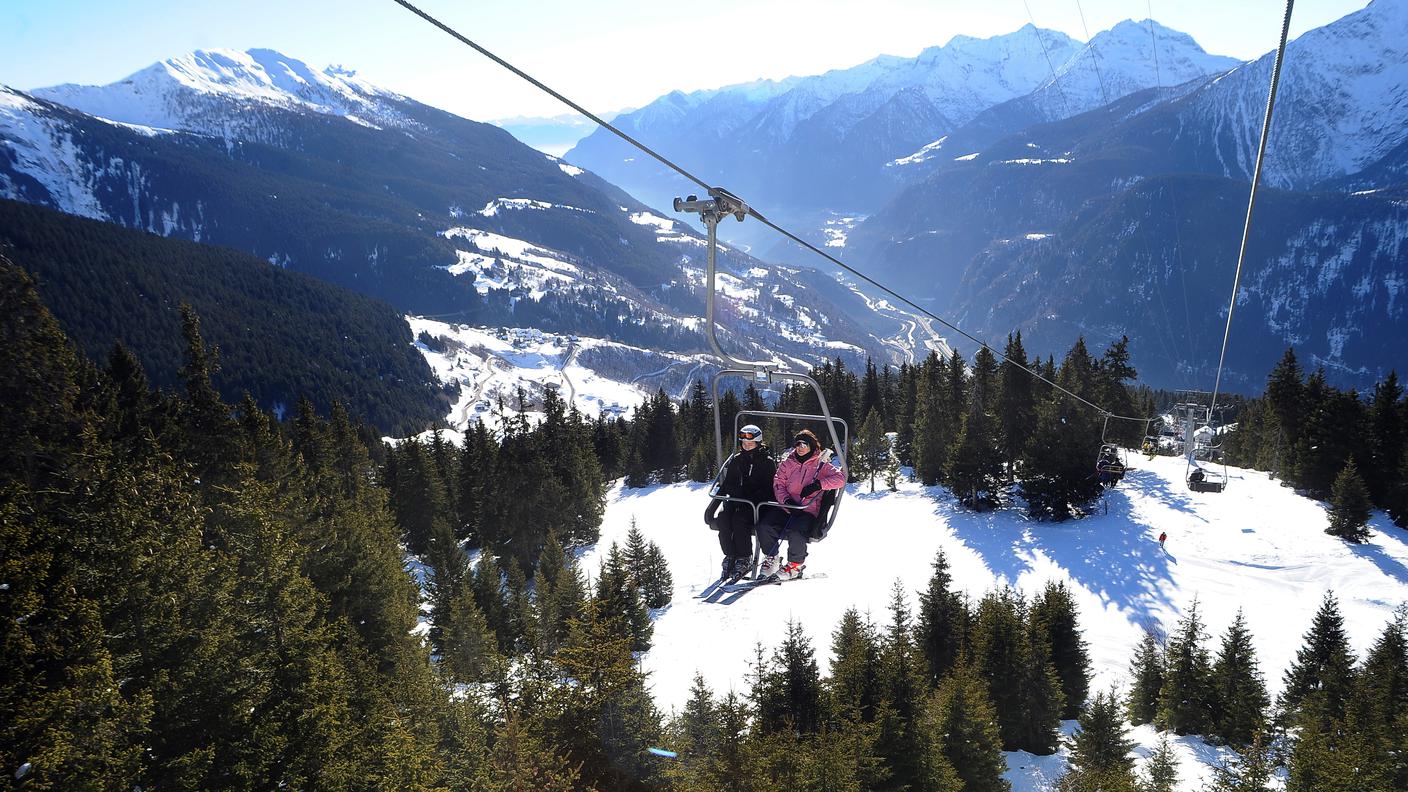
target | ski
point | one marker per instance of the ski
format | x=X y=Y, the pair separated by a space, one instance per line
x=737 y=590
x=712 y=587
x=717 y=586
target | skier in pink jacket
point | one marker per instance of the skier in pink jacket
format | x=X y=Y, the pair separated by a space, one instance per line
x=799 y=481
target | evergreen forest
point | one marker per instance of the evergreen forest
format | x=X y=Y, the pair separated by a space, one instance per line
x=197 y=595
x=282 y=335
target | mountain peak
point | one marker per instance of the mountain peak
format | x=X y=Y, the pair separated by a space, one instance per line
x=169 y=94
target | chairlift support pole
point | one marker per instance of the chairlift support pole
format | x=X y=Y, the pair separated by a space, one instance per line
x=720 y=204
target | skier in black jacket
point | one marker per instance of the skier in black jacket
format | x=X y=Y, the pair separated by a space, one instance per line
x=748 y=475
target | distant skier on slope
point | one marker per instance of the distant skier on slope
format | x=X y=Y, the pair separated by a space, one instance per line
x=799 y=482
x=747 y=474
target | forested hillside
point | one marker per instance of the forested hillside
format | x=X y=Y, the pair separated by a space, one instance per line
x=281 y=335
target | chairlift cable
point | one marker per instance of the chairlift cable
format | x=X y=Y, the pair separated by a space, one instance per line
x=1049 y=65
x=1251 y=201
x=1094 y=61
x=751 y=210
x=1158 y=78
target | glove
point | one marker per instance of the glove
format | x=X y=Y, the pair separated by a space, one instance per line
x=709 y=513
x=811 y=489
x=793 y=502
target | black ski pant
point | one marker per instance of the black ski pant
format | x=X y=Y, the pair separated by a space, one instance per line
x=796 y=526
x=735 y=524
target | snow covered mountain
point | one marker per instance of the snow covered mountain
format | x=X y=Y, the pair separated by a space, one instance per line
x=1129 y=57
x=759 y=138
x=1258 y=547
x=323 y=173
x=1126 y=220
x=1342 y=107
x=224 y=93
x=841 y=143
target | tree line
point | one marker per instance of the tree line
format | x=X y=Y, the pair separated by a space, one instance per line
x=1338 y=724
x=985 y=430
x=282 y=334
x=1333 y=445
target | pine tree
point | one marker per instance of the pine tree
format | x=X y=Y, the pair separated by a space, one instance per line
x=619 y=600
x=853 y=686
x=1146 y=668
x=478 y=472
x=1016 y=404
x=1161 y=770
x=1388 y=439
x=1331 y=758
x=418 y=496
x=207 y=428
x=902 y=689
x=870 y=452
x=975 y=463
x=1378 y=708
x=1100 y=758
x=1285 y=392
x=1112 y=374
x=1251 y=771
x=560 y=594
x=291 y=725
x=1056 y=479
x=520 y=761
x=1054 y=620
x=1025 y=689
x=469 y=649
x=789 y=696
x=658 y=585
x=961 y=725
x=489 y=596
x=1324 y=666
x=698 y=724
x=1350 y=507
x=872 y=393
x=634 y=553
x=519 y=609
x=1186 y=695
x=942 y=629
x=1239 y=699
x=907 y=397
x=606 y=719
x=931 y=420
x=696 y=734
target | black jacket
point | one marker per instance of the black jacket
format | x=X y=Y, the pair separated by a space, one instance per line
x=747 y=475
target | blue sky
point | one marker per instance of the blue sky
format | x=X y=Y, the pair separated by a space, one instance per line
x=606 y=54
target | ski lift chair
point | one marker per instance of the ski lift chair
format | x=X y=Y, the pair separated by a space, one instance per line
x=720 y=204
x=830 y=499
x=1201 y=479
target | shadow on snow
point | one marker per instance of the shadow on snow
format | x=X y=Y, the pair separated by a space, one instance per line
x=1111 y=553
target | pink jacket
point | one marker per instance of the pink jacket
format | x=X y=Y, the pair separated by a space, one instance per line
x=793 y=475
